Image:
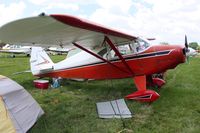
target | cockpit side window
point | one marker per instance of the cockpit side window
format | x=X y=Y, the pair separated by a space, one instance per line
x=102 y=52
x=126 y=48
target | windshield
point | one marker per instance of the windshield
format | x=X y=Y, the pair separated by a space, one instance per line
x=140 y=45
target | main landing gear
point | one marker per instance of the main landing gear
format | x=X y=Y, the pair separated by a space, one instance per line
x=156 y=80
x=144 y=95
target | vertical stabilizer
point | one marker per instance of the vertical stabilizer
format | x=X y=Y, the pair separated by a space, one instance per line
x=40 y=62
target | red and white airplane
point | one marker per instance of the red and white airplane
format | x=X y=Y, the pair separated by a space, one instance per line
x=106 y=53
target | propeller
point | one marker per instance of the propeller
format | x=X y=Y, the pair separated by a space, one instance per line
x=186 y=48
x=186 y=44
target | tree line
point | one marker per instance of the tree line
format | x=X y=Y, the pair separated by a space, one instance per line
x=193 y=45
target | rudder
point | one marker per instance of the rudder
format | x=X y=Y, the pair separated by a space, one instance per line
x=40 y=62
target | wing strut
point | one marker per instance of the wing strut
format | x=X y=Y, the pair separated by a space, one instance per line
x=99 y=57
x=118 y=54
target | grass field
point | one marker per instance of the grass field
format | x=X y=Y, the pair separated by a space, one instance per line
x=72 y=109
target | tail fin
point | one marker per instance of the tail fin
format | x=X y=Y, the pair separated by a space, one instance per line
x=40 y=62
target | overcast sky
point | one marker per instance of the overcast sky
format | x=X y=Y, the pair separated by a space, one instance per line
x=166 y=20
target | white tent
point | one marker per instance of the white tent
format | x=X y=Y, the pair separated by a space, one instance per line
x=18 y=110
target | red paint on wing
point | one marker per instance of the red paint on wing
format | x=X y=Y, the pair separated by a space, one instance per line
x=84 y=24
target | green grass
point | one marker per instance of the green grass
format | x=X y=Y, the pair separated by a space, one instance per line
x=72 y=107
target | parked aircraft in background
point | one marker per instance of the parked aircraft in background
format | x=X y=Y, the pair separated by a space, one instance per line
x=58 y=50
x=106 y=53
x=16 y=49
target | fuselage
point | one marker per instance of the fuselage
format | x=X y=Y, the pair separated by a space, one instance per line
x=154 y=59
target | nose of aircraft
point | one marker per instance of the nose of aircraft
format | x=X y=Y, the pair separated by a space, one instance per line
x=180 y=54
x=182 y=51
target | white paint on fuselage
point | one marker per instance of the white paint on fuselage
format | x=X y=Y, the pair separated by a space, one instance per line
x=84 y=58
x=81 y=58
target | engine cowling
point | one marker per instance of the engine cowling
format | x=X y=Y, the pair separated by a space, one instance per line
x=144 y=96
